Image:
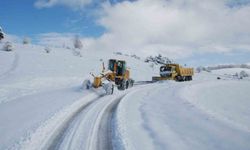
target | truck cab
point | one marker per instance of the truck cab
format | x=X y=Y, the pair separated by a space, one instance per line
x=166 y=71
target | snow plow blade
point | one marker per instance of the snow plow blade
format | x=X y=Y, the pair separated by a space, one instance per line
x=154 y=79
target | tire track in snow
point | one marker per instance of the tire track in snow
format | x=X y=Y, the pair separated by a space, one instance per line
x=53 y=144
x=106 y=127
x=86 y=124
x=50 y=130
x=92 y=128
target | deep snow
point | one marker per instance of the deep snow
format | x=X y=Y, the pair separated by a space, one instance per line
x=40 y=92
x=172 y=116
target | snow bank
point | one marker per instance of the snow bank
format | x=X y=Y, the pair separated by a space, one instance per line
x=162 y=117
x=226 y=100
x=49 y=129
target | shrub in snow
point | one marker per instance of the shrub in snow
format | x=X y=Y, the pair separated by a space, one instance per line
x=67 y=47
x=237 y=76
x=26 y=40
x=1 y=34
x=8 y=46
x=152 y=65
x=200 y=69
x=117 y=53
x=47 y=49
x=78 y=43
x=135 y=56
x=77 y=52
x=243 y=74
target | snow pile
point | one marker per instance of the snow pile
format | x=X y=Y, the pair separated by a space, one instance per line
x=225 y=100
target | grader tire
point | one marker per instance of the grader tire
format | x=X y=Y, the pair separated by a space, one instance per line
x=122 y=85
x=127 y=84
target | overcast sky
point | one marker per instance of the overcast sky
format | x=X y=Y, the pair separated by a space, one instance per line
x=180 y=29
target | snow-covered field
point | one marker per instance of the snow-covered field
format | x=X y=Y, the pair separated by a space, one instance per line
x=42 y=106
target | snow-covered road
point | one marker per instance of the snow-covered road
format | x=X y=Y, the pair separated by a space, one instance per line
x=91 y=128
x=86 y=124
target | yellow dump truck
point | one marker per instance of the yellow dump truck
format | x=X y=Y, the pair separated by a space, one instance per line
x=174 y=72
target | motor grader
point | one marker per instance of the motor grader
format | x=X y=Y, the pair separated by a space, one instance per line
x=174 y=72
x=117 y=74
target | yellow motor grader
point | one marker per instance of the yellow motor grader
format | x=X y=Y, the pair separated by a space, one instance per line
x=117 y=74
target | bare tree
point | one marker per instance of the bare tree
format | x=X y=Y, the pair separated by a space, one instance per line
x=8 y=46
x=78 y=43
x=47 y=49
x=1 y=34
x=26 y=40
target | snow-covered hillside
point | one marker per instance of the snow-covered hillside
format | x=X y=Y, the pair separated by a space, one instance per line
x=42 y=105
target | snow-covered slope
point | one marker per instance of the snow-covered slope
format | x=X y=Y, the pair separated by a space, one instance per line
x=42 y=105
x=203 y=114
x=34 y=85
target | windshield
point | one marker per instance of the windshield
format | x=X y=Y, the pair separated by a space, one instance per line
x=111 y=64
x=164 y=68
x=121 y=68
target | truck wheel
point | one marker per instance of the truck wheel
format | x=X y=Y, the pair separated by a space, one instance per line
x=178 y=78
x=122 y=85
x=132 y=83
x=127 y=84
